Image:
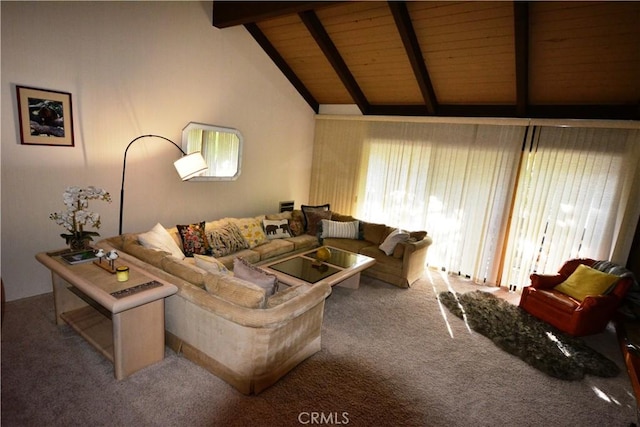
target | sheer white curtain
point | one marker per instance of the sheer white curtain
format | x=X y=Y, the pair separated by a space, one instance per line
x=572 y=183
x=453 y=180
x=576 y=192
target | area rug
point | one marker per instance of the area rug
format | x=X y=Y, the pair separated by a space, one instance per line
x=537 y=343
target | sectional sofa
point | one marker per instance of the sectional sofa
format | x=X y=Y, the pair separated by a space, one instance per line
x=244 y=333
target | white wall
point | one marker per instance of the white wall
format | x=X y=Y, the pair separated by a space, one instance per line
x=135 y=68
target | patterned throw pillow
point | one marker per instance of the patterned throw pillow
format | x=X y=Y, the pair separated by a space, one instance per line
x=251 y=229
x=296 y=223
x=226 y=240
x=277 y=228
x=194 y=240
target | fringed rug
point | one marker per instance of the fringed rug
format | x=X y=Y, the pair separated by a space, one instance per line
x=537 y=343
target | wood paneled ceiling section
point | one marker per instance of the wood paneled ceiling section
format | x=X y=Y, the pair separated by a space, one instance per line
x=508 y=59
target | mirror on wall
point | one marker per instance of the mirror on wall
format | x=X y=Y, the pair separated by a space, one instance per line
x=221 y=148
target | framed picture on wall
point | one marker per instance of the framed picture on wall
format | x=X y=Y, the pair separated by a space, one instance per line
x=45 y=117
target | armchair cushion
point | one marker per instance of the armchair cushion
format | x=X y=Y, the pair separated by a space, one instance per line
x=586 y=281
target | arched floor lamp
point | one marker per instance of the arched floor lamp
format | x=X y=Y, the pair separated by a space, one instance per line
x=188 y=166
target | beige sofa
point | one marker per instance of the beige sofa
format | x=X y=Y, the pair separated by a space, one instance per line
x=226 y=325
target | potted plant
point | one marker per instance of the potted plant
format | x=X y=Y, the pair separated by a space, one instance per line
x=77 y=215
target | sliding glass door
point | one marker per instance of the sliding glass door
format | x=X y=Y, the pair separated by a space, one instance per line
x=500 y=201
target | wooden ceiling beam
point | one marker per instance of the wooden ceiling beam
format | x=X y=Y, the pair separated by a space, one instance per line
x=412 y=47
x=275 y=56
x=320 y=35
x=231 y=13
x=521 y=34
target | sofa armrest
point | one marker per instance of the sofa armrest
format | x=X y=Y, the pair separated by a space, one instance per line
x=546 y=281
x=410 y=246
x=414 y=259
x=599 y=303
x=250 y=317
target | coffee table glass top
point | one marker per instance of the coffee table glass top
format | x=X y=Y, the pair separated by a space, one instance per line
x=306 y=268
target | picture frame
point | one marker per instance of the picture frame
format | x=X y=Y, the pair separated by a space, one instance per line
x=45 y=117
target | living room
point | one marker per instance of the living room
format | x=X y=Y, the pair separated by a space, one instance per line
x=135 y=68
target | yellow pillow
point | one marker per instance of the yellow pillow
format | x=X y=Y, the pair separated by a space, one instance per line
x=585 y=281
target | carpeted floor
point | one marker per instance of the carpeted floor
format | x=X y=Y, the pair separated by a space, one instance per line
x=389 y=357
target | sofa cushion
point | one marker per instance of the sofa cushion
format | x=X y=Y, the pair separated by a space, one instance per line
x=249 y=254
x=282 y=215
x=374 y=233
x=389 y=244
x=236 y=291
x=384 y=263
x=210 y=264
x=226 y=240
x=341 y=218
x=276 y=228
x=251 y=230
x=193 y=238
x=303 y=241
x=244 y=270
x=351 y=245
x=339 y=229
x=184 y=270
x=285 y=295
x=586 y=281
x=274 y=248
x=159 y=238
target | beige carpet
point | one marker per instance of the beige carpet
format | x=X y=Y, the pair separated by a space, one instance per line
x=390 y=357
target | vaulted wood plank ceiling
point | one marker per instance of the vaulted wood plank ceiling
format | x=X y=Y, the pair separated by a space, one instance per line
x=475 y=58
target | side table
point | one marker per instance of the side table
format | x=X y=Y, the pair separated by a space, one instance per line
x=129 y=330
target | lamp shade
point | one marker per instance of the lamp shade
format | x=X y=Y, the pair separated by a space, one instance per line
x=190 y=165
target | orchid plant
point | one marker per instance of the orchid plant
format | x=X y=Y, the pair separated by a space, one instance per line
x=77 y=216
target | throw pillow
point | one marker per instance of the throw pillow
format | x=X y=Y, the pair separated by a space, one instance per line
x=373 y=233
x=392 y=240
x=243 y=270
x=313 y=220
x=296 y=223
x=251 y=229
x=307 y=209
x=339 y=230
x=226 y=240
x=158 y=238
x=585 y=281
x=276 y=228
x=210 y=264
x=236 y=291
x=194 y=241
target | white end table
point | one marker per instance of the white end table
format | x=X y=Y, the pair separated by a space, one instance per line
x=129 y=331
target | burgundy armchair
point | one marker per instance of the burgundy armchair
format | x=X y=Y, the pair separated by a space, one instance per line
x=570 y=315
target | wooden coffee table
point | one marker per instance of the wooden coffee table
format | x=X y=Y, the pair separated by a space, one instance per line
x=342 y=269
x=122 y=320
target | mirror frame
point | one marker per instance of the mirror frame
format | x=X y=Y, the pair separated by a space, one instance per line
x=213 y=128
